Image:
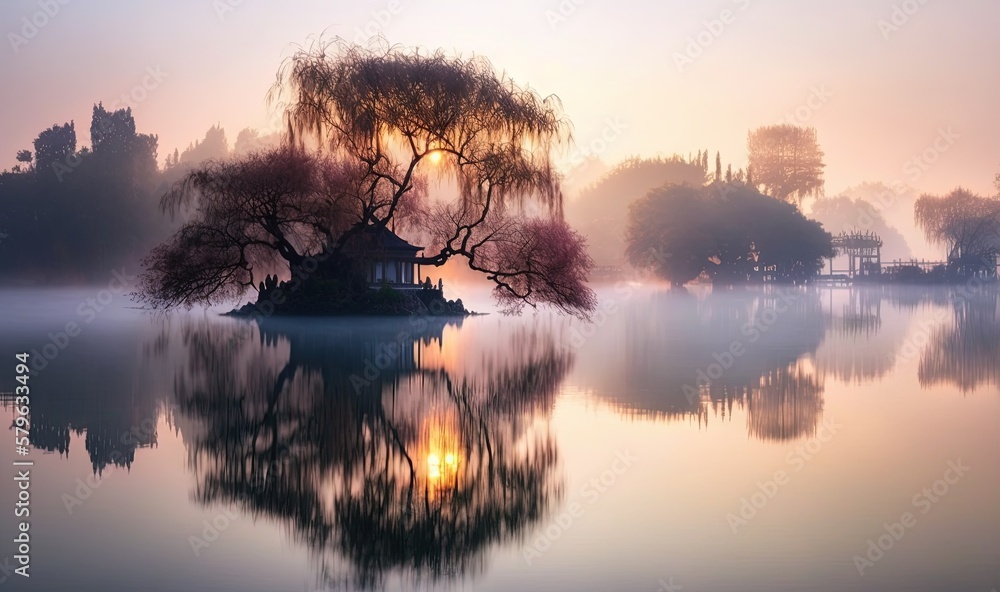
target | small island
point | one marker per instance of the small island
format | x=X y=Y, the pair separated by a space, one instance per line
x=337 y=208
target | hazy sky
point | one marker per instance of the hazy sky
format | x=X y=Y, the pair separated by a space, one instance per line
x=654 y=77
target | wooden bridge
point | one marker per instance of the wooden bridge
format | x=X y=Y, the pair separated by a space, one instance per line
x=864 y=254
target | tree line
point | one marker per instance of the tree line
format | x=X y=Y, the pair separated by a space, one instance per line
x=751 y=227
x=72 y=214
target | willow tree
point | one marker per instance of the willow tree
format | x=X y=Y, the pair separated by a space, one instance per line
x=257 y=213
x=967 y=223
x=395 y=110
x=786 y=161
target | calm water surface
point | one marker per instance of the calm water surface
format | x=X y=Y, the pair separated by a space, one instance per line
x=746 y=440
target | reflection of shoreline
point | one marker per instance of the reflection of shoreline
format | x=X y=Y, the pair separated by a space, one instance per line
x=677 y=339
x=98 y=395
x=418 y=469
x=966 y=353
x=670 y=341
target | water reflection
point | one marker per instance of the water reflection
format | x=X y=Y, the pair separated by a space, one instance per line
x=964 y=353
x=698 y=354
x=98 y=390
x=863 y=336
x=375 y=447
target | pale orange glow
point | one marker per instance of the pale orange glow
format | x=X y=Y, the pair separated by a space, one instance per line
x=441 y=449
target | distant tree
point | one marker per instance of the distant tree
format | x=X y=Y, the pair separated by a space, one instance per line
x=729 y=232
x=212 y=146
x=787 y=161
x=24 y=156
x=126 y=156
x=718 y=166
x=601 y=210
x=667 y=233
x=729 y=174
x=250 y=140
x=112 y=132
x=82 y=212
x=968 y=224
x=54 y=145
x=171 y=161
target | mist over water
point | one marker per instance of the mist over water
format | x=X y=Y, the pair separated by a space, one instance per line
x=427 y=452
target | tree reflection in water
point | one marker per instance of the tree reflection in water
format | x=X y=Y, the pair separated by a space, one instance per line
x=379 y=452
x=669 y=346
x=965 y=352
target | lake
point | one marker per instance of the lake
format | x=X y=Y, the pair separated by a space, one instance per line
x=750 y=439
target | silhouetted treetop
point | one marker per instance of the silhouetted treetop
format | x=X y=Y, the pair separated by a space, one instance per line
x=393 y=108
x=56 y=144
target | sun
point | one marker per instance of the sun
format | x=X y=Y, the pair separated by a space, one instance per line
x=435 y=156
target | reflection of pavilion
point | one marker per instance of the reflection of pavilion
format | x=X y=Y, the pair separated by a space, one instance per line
x=861 y=315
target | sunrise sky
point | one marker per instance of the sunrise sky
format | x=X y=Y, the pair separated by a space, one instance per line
x=878 y=94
